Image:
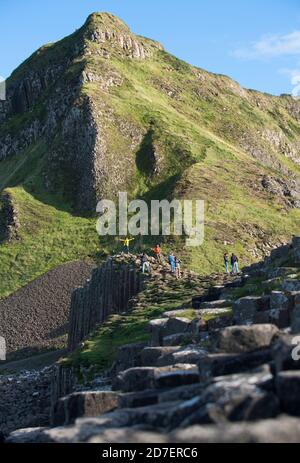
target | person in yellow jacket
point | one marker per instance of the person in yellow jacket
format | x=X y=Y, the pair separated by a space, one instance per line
x=126 y=243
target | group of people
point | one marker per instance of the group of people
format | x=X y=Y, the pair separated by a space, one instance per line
x=175 y=262
x=234 y=262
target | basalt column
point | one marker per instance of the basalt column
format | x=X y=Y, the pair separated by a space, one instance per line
x=109 y=291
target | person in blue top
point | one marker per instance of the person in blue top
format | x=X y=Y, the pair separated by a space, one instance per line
x=234 y=264
x=226 y=262
x=172 y=262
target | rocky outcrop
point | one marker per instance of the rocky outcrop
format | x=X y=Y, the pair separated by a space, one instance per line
x=109 y=291
x=9 y=218
x=288 y=190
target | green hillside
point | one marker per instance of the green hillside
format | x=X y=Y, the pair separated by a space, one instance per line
x=104 y=111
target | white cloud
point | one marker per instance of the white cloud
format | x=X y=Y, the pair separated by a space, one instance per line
x=294 y=75
x=270 y=46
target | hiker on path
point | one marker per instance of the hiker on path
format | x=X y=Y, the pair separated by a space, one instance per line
x=226 y=262
x=126 y=243
x=234 y=264
x=157 y=252
x=172 y=262
x=178 y=268
x=146 y=267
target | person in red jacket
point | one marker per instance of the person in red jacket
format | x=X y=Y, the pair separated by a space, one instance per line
x=157 y=252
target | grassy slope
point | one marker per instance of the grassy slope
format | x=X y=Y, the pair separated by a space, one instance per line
x=212 y=166
x=196 y=129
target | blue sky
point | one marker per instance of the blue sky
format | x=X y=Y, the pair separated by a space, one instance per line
x=255 y=42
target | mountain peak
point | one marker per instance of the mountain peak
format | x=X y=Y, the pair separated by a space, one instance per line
x=105 y=20
x=113 y=36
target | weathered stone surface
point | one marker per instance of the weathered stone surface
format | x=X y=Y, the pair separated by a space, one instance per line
x=129 y=356
x=85 y=404
x=219 y=322
x=128 y=436
x=296 y=250
x=156 y=328
x=244 y=309
x=186 y=392
x=182 y=374
x=139 y=379
x=283 y=429
x=282 y=353
x=164 y=327
x=138 y=399
x=279 y=301
x=224 y=401
x=177 y=339
x=134 y=379
x=189 y=355
x=150 y=355
x=280 y=255
x=280 y=272
x=228 y=364
x=280 y=318
x=295 y=315
x=28 y=436
x=291 y=285
x=261 y=377
x=288 y=387
x=262 y=318
x=9 y=218
x=239 y=339
x=295 y=323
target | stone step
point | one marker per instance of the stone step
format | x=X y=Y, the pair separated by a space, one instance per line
x=143 y=378
x=129 y=356
x=138 y=399
x=83 y=404
x=219 y=304
x=164 y=327
x=240 y=339
x=184 y=355
x=227 y=364
x=150 y=355
x=177 y=339
x=246 y=308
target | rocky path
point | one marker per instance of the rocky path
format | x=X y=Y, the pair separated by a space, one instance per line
x=215 y=376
